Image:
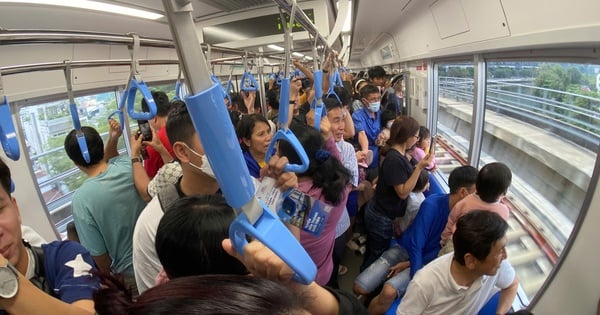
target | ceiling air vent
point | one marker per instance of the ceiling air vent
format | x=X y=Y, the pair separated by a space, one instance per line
x=235 y=5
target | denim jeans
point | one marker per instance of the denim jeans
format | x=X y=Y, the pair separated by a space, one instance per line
x=377 y=272
x=379 y=234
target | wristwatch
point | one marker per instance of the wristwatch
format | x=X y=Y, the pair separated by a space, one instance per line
x=9 y=281
x=136 y=159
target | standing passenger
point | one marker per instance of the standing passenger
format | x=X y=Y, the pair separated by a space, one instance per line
x=156 y=159
x=368 y=126
x=254 y=133
x=106 y=206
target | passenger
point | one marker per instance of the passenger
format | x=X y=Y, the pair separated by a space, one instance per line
x=326 y=180
x=234 y=294
x=377 y=77
x=336 y=115
x=421 y=149
x=397 y=180
x=387 y=119
x=106 y=206
x=159 y=152
x=254 y=134
x=55 y=278
x=196 y=179
x=415 y=198
x=417 y=246
x=167 y=174
x=463 y=282
x=346 y=99
x=189 y=237
x=368 y=126
x=492 y=184
x=357 y=103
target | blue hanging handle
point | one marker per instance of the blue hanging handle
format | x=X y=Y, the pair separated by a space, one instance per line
x=246 y=86
x=287 y=135
x=8 y=135
x=317 y=103
x=134 y=86
x=337 y=78
x=219 y=140
x=79 y=133
x=177 y=90
x=119 y=111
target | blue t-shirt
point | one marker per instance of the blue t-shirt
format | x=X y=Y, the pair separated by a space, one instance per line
x=68 y=265
x=372 y=127
x=105 y=210
x=253 y=166
x=422 y=238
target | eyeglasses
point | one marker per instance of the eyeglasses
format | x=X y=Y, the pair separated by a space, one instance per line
x=418 y=138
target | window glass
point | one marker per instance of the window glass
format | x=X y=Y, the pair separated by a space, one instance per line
x=455 y=108
x=45 y=127
x=541 y=120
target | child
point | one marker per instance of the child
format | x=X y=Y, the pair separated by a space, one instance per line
x=415 y=198
x=421 y=149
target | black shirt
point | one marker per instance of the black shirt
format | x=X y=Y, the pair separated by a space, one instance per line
x=395 y=170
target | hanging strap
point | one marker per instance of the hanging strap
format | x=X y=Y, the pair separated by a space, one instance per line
x=137 y=84
x=83 y=147
x=8 y=135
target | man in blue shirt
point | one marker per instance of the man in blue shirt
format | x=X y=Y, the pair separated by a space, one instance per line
x=54 y=279
x=367 y=123
x=417 y=246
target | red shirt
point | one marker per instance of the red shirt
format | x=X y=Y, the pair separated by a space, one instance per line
x=154 y=161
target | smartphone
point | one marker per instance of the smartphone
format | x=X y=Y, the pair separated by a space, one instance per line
x=145 y=130
x=432 y=144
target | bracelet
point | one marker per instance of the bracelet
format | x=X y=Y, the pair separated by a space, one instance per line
x=136 y=159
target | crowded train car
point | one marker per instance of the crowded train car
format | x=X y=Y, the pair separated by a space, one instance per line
x=382 y=157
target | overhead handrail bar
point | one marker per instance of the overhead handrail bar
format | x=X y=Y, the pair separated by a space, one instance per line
x=50 y=66
x=210 y=117
x=79 y=135
x=8 y=134
x=303 y=19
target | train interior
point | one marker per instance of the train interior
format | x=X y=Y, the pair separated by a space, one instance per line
x=495 y=80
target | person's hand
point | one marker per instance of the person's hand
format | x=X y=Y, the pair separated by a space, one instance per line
x=249 y=98
x=297 y=63
x=261 y=261
x=114 y=130
x=426 y=161
x=136 y=145
x=275 y=169
x=397 y=268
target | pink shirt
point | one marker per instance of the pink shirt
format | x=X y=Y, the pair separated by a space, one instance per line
x=468 y=204
x=419 y=154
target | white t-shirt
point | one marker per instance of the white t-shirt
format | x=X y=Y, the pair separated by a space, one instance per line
x=146 y=264
x=434 y=291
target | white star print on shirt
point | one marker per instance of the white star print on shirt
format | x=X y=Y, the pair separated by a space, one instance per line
x=80 y=267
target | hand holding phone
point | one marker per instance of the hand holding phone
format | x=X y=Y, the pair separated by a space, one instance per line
x=146 y=133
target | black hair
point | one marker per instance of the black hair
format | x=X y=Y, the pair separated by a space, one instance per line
x=203 y=295
x=402 y=129
x=376 y=72
x=476 y=232
x=5 y=178
x=386 y=116
x=331 y=102
x=424 y=133
x=462 y=176
x=246 y=125
x=368 y=89
x=343 y=94
x=422 y=181
x=273 y=98
x=327 y=172
x=189 y=236
x=94 y=144
x=163 y=106
x=179 y=124
x=493 y=181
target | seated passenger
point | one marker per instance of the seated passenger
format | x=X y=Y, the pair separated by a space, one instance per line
x=418 y=245
x=254 y=133
x=492 y=184
x=106 y=206
x=415 y=198
x=189 y=237
x=462 y=282
x=55 y=278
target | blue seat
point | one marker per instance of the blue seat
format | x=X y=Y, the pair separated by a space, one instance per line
x=488 y=309
x=434 y=187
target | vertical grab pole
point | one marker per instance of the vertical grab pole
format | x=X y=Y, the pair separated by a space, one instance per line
x=212 y=122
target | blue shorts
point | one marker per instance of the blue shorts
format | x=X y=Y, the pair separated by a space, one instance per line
x=377 y=272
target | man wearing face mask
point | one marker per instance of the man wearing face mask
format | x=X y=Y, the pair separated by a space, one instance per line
x=367 y=123
x=196 y=178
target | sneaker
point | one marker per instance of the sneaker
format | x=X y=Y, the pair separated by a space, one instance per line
x=342 y=270
x=361 y=239
x=362 y=250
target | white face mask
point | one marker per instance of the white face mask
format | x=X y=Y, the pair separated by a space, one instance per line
x=389 y=124
x=374 y=107
x=205 y=168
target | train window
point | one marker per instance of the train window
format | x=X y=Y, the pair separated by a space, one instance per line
x=455 y=107
x=45 y=127
x=541 y=119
